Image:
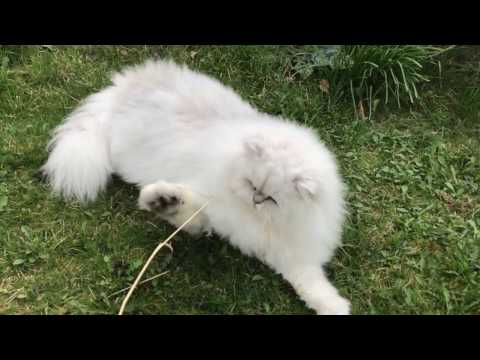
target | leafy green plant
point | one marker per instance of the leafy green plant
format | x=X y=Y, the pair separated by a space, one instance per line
x=374 y=73
x=314 y=57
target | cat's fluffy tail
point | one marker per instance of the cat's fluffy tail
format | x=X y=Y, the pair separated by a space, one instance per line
x=79 y=164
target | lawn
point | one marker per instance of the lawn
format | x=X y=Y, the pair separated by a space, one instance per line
x=411 y=243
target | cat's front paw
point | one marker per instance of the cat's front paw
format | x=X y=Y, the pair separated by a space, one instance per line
x=334 y=306
x=161 y=197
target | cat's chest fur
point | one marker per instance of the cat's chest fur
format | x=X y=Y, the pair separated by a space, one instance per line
x=244 y=228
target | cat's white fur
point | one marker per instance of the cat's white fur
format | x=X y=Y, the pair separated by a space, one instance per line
x=185 y=137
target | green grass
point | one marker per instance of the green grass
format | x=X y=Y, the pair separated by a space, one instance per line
x=411 y=244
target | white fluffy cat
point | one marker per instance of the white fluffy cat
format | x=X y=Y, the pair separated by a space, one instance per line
x=184 y=138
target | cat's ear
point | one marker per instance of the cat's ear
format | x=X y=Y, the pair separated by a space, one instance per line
x=306 y=186
x=255 y=146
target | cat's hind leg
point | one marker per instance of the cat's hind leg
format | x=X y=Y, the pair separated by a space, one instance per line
x=174 y=203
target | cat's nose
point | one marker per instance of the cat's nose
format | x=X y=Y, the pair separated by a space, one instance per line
x=258 y=198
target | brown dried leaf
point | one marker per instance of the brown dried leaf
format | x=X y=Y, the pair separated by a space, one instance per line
x=361 y=110
x=325 y=86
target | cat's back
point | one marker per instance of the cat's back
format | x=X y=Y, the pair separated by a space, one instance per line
x=172 y=92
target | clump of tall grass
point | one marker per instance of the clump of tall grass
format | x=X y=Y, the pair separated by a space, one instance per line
x=374 y=74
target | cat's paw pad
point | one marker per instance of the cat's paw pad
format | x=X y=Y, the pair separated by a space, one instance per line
x=162 y=198
x=165 y=204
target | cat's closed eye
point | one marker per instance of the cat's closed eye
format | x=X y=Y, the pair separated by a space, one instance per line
x=249 y=182
x=272 y=199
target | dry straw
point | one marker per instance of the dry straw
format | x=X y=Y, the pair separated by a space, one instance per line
x=154 y=253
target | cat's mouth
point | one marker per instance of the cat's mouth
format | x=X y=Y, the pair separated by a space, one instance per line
x=260 y=199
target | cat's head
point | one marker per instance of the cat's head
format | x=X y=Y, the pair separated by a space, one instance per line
x=272 y=173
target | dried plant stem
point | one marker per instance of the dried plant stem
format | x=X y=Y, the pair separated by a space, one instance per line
x=154 y=253
x=140 y=283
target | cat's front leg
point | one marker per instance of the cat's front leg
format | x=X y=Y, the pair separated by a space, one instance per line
x=174 y=203
x=312 y=285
